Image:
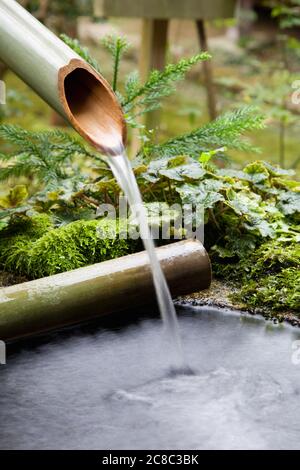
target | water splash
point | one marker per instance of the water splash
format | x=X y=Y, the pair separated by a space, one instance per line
x=123 y=173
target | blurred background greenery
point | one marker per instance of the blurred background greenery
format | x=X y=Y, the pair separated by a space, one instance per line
x=255 y=60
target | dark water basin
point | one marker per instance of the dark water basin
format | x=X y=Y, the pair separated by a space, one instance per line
x=104 y=388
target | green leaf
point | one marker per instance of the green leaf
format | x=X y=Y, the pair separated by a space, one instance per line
x=191 y=170
x=289 y=202
x=265 y=228
x=244 y=202
x=275 y=170
x=205 y=157
x=204 y=194
x=236 y=245
x=160 y=213
x=15 y=197
x=256 y=172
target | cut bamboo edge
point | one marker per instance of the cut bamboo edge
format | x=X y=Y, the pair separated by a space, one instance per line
x=117 y=285
x=66 y=82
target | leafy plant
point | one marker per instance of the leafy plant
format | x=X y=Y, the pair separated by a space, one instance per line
x=117 y=46
x=245 y=211
x=138 y=99
x=288 y=13
x=274 y=100
x=223 y=133
x=47 y=155
x=147 y=97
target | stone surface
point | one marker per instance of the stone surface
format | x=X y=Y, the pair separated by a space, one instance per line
x=218 y=295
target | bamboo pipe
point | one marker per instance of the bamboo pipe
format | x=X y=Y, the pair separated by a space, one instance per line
x=70 y=298
x=66 y=82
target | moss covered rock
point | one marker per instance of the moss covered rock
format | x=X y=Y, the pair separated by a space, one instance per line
x=268 y=277
x=36 y=249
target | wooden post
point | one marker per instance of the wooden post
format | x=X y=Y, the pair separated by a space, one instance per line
x=154 y=46
x=207 y=71
x=153 y=56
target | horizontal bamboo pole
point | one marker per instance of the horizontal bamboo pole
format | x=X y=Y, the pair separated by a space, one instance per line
x=66 y=82
x=103 y=288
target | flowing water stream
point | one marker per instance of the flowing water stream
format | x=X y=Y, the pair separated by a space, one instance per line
x=123 y=173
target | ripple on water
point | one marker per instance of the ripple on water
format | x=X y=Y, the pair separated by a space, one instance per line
x=113 y=390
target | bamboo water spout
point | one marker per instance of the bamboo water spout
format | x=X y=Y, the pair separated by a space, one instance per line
x=66 y=82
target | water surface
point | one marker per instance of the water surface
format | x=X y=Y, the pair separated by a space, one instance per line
x=111 y=389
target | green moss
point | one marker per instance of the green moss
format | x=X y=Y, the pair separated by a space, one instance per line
x=62 y=249
x=32 y=227
x=268 y=277
x=277 y=291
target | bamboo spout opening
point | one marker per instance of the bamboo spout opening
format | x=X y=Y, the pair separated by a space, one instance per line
x=91 y=106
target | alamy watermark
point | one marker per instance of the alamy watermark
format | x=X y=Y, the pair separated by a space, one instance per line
x=2 y=92
x=166 y=221
x=2 y=353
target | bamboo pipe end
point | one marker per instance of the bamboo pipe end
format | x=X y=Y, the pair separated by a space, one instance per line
x=91 y=106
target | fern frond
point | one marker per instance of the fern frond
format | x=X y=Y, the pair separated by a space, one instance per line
x=48 y=155
x=15 y=135
x=16 y=171
x=5 y=157
x=82 y=51
x=225 y=131
x=159 y=85
x=117 y=46
x=132 y=86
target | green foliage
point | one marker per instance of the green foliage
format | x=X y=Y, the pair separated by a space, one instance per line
x=252 y=221
x=59 y=8
x=288 y=13
x=36 y=249
x=271 y=277
x=15 y=197
x=279 y=292
x=61 y=171
x=141 y=99
x=46 y=155
x=81 y=51
x=117 y=46
x=71 y=8
x=225 y=131
x=257 y=201
x=34 y=227
x=245 y=211
x=274 y=99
